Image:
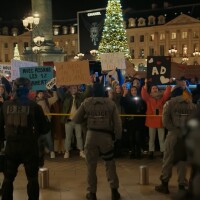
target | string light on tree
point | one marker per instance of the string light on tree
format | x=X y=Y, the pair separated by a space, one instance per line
x=114 y=38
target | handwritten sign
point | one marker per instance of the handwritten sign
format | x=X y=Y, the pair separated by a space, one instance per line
x=72 y=73
x=17 y=64
x=39 y=76
x=5 y=70
x=188 y=71
x=110 y=61
x=159 y=69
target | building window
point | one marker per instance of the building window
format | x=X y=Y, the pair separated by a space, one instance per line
x=65 y=30
x=14 y=44
x=131 y=22
x=72 y=29
x=173 y=36
x=73 y=43
x=185 y=49
x=56 y=30
x=132 y=53
x=195 y=35
x=152 y=36
x=162 y=50
x=151 y=51
x=25 y=45
x=184 y=35
x=132 y=39
x=5 y=45
x=141 y=38
x=162 y=36
x=141 y=53
x=57 y=43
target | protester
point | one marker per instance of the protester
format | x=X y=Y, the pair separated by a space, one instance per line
x=46 y=102
x=134 y=105
x=155 y=100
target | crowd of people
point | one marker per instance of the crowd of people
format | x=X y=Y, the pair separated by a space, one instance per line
x=145 y=110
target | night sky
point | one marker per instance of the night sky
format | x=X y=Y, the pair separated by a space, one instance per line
x=18 y=9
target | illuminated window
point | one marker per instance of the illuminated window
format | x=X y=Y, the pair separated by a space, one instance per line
x=195 y=35
x=151 y=51
x=173 y=36
x=184 y=35
x=152 y=37
x=162 y=36
x=73 y=43
x=162 y=50
x=72 y=29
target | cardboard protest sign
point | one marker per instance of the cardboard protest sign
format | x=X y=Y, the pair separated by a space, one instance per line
x=72 y=73
x=5 y=70
x=17 y=64
x=159 y=69
x=181 y=70
x=39 y=76
x=110 y=61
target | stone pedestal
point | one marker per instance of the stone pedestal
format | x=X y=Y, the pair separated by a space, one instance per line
x=48 y=51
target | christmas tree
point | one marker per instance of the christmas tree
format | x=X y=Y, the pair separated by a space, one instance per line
x=114 y=37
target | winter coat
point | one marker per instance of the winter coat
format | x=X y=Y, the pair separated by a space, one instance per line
x=152 y=105
x=46 y=104
x=134 y=107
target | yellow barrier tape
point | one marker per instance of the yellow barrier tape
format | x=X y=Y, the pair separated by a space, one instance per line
x=121 y=115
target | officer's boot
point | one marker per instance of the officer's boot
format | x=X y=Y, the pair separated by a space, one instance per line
x=162 y=188
x=115 y=194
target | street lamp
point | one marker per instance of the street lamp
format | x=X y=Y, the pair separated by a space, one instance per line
x=38 y=42
x=185 y=59
x=31 y=22
x=79 y=56
x=196 y=54
x=172 y=51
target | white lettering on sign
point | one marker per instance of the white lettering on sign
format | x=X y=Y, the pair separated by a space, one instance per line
x=155 y=70
x=163 y=70
x=93 y=14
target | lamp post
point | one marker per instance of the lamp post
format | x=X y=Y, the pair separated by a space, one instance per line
x=172 y=52
x=30 y=23
x=38 y=42
x=196 y=54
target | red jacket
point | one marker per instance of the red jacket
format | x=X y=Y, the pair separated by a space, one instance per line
x=152 y=105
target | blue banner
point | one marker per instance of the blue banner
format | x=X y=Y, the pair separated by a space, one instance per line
x=38 y=76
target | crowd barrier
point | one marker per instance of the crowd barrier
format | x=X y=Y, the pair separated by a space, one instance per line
x=121 y=115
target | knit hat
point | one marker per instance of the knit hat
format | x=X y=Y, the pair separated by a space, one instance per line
x=178 y=91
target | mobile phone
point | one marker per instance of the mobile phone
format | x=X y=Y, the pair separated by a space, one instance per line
x=157 y=111
x=128 y=85
x=97 y=74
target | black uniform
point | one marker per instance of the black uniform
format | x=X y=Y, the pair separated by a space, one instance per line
x=24 y=120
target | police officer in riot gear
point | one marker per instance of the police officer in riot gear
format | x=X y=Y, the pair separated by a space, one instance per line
x=23 y=121
x=103 y=125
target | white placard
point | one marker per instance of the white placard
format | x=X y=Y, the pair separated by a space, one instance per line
x=16 y=64
x=110 y=61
